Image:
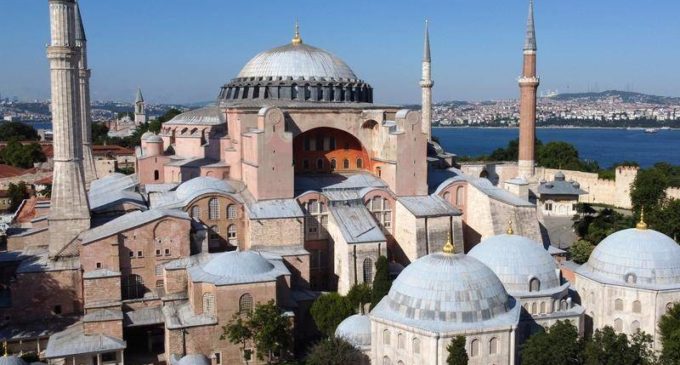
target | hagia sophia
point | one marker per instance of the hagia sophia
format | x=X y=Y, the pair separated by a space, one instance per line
x=293 y=183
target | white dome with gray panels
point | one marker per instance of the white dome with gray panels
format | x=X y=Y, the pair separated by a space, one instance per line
x=444 y=292
x=356 y=330
x=635 y=257
x=517 y=260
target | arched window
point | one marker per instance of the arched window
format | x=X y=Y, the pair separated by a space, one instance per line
x=493 y=345
x=543 y=308
x=387 y=361
x=447 y=196
x=334 y=164
x=386 y=337
x=630 y=278
x=208 y=304
x=637 y=307
x=618 y=305
x=196 y=212
x=460 y=196
x=360 y=163
x=474 y=348
x=618 y=325
x=533 y=308
x=368 y=270
x=416 y=346
x=231 y=211
x=214 y=211
x=156 y=175
x=635 y=326
x=319 y=164
x=294 y=91
x=378 y=171
x=245 y=303
x=401 y=341
x=345 y=164
x=231 y=233
x=534 y=285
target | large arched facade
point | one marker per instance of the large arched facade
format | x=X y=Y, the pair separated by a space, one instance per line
x=329 y=150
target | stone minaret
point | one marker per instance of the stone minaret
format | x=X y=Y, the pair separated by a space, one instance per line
x=426 y=84
x=69 y=209
x=528 y=83
x=85 y=116
x=140 y=112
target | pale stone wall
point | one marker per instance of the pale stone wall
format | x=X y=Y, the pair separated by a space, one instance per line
x=275 y=232
x=105 y=167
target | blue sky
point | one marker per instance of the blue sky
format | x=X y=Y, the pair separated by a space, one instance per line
x=183 y=51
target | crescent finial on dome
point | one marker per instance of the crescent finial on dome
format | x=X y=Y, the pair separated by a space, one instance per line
x=641 y=224
x=449 y=247
x=297 y=39
x=510 y=231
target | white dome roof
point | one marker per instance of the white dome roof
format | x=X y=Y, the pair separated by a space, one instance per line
x=194 y=359
x=297 y=61
x=146 y=135
x=635 y=257
x=443 y=292
x=202 y=185
x=356 y=330
x=238 y=263
x=516 y=260
x=12 y=360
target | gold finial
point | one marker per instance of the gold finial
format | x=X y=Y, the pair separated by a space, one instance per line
x=510 y=231
x=4 y=344
x=449 y=247
x=297 y=39
x=641 y=224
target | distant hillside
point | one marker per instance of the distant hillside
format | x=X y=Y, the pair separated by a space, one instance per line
x=623 y=96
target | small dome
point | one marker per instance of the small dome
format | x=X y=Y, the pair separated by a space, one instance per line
x=202 y=185
x=154 y=138
x=297 y=61
x=559 y=176
x=356 y=330
x=442 y=291
x=193 y=359
x=516 y=260
x=238 y=264
x=12 y=360
x=575 y=184
x=635 y=257
x=146 y=135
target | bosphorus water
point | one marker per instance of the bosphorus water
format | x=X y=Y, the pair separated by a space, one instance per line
x=606 y=146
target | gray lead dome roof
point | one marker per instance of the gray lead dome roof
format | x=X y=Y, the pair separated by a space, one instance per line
x=516 y=260
x=297 y=60
x=12 y=360
x=356 y=330
x=635 y=257
x=444 y=292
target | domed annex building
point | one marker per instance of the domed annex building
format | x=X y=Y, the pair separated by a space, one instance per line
x=631 y=279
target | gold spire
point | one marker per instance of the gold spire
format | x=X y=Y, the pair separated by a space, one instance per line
x=510 y=231
x=4 y=344
x=641 y=224
x=297 y=39
x=449 y=247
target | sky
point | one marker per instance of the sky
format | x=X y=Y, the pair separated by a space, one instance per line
x=182 y=51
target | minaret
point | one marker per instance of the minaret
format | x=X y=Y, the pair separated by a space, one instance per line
x=69 y=209
x=89 y=169
x=528 y=83
x=426 y=84
x=140 y=111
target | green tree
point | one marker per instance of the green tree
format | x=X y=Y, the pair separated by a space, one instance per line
x=560 y=345
x=266 y=328
x=22 y=155
x=562 y=155
x=334 y=351
x=100 y=133
x=648 y=190
x=17 y=193
x=329 y=310
x=594 y=228
x=610 y=348
x=580 y=251
x=457 y=353
x=17 y=131
x=669 y=329
x=359 y=295
x=382 y=282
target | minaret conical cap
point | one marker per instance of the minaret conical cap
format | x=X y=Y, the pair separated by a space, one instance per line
x=530 y=42
x=426 y=50
x=140 y=97
x=80 y=29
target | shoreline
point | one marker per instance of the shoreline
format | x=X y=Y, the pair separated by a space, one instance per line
x=554 y=127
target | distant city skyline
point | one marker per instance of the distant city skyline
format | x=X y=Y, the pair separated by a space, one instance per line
x=179 y=53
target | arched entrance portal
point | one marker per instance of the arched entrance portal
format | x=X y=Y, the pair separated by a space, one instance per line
x=328 y=150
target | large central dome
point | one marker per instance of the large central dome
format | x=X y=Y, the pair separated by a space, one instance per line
x=297 y=61
x=295 y=73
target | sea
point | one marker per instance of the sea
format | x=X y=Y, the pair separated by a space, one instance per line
x=607 y=146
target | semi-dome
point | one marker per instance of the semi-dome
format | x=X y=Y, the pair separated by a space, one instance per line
x=517 y=260
x=444 y=292
x=201 y=185
x=296 y=72
x=356 y=330
x=635 y=257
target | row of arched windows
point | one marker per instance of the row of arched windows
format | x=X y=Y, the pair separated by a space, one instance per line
x=320 y=164
x=401 y=341
x=214 y=210
x=544 y=308
x=381 y=208
x=619 y=306
x=316 y=219
x=493 y=347
x=317 y=92
x=618 y=325
x=245 y=303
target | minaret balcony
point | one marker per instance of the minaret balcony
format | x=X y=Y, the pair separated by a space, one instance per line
x=529 y=81
x=426 y=83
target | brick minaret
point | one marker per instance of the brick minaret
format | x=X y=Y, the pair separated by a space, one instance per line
x=426 y=84
x=528 y=83
x=89 y=169
x=69 y=210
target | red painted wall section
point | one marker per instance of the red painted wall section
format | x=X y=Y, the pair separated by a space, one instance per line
x=328 y=150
